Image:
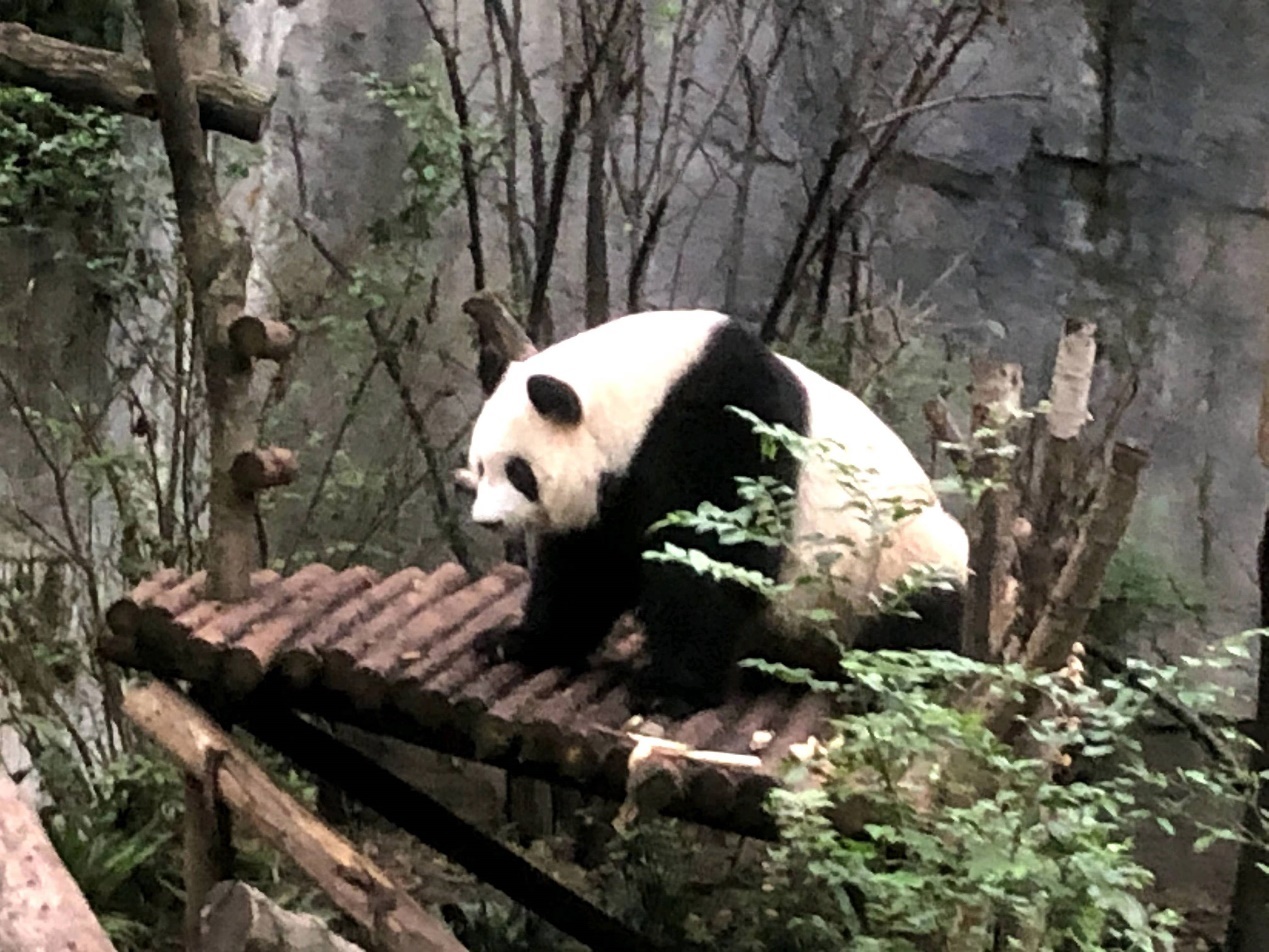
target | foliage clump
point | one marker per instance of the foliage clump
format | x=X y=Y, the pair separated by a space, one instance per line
x=914 y=826
x=53 y=159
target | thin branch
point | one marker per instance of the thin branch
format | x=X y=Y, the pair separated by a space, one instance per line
x=902 y=115
x=462 y=111
x=443 y=510
x=523 y=90
x=549 y=230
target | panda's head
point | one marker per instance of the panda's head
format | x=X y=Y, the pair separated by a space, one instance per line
x=533 y=461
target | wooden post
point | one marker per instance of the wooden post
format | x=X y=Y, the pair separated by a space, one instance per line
x=1049 y=509
x=1078 y=587
x=217 y=263
x=996 y=399
x=208 y=832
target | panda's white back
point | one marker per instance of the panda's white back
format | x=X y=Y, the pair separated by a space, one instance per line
x=825 y=507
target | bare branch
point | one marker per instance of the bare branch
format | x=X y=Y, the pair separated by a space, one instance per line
x=442 y=508
x=467 y=164
x=960 y=99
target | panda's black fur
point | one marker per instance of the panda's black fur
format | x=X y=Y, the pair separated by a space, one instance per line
x=695 y=627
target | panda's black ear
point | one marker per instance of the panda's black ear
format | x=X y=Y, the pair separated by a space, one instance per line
x=555 y=400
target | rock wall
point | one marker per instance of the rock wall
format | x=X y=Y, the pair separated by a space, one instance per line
x=1132 y=195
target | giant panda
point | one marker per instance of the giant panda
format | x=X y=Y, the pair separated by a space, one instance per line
x=591 y=441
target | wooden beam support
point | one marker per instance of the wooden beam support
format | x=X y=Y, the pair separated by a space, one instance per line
x=255 y=338
x=264 y=468
x=208 y=844
x=217 y=262
x=87 y=76
x=41 y=906
x=316 y=751
x=353 y=882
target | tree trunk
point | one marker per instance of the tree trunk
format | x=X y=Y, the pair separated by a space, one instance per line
x=597 y=217
x=996 y=397
x=1249 y=915
x=217 y=264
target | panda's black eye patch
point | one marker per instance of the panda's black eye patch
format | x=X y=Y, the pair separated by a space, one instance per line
x=520 y=475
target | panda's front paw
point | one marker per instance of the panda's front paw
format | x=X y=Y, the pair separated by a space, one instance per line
x=504 y=645
x=520 y=645
x=653 y=696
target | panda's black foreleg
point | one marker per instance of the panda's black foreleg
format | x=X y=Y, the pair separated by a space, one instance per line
x=576 y=594
x=693 y=626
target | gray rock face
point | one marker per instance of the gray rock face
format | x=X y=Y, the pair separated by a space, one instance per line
x=1132 y=195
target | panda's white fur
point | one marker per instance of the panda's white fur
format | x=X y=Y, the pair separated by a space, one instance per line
x=877 y=554
x=621 y=373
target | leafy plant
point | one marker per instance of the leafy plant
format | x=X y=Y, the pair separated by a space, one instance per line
x=53 y=159
x=431 y=176
x=968 y=842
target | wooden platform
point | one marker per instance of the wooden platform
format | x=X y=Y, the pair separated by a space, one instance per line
x=392 y=654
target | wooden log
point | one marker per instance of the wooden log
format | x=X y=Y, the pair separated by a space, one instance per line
x=299 y=661
x=1052 y=512
x=217 y=262
x=938 y=417
x=265 y=468
x=453 y=621
x=501 y=338
x=200 y=659
x=315 y=750
x=356 y=666
x=41 y=905
x=250 y=657
x=86 y=76
x=1072 y=380
x=254 y=338
x=428 y=694
x=240 y=918
x=996 y=399
x=1078 y=588
x=353 y=882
